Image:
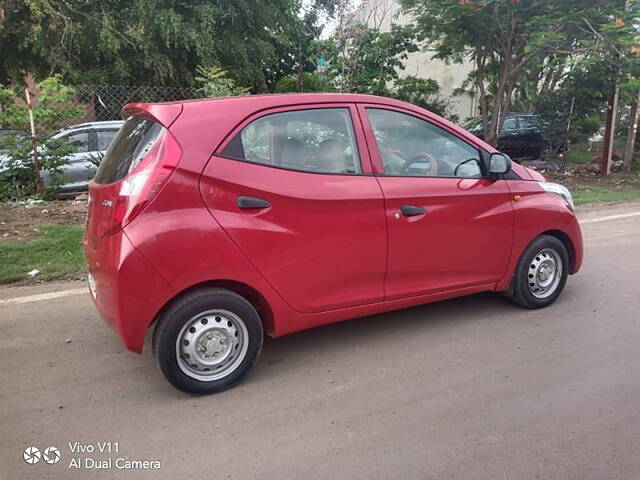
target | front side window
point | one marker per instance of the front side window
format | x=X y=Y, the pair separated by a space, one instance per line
x=318 y=140
x=509 y=124
x=410 y=146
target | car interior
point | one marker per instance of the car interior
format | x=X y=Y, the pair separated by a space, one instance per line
x=318 y=140
x=410 y=146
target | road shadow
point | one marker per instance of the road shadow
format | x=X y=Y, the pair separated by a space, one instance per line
x=289 y=355
x=279 y=353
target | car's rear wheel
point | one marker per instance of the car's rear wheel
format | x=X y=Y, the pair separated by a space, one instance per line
x=541 y=273
x=208 y=340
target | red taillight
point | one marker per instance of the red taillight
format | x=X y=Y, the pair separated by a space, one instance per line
x=144 y=182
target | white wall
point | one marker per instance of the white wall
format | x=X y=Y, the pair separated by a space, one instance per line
x=382 y=14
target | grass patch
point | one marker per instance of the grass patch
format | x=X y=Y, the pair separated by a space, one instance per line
x=602 y=194
x=578 y=157
x=56 y=252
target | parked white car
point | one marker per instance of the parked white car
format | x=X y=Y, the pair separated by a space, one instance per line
x=90 y=142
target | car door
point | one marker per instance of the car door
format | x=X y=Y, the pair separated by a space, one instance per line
x=293 y=188
x=449 y=227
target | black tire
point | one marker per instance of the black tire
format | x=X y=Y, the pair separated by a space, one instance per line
x=520 y=290
x=185 y=309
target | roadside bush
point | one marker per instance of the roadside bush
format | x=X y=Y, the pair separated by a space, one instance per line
x=17 y=169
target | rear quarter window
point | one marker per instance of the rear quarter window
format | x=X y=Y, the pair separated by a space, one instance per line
x=128 y=148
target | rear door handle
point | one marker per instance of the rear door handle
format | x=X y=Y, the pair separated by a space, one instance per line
x=411 y=210
x=249 y=203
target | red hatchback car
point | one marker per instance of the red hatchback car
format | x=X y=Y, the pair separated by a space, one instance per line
x=220 y=220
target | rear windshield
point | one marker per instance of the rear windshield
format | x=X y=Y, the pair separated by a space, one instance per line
x=133 y=141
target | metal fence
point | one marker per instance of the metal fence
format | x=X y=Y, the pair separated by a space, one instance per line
x=104 y=102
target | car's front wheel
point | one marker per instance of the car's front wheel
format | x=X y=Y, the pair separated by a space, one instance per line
x=541 y=273
x=208 y=340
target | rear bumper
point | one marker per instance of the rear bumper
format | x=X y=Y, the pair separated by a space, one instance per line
x=129 y=291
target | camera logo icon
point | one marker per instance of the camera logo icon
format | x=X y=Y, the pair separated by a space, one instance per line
x=51 y=455
x=31 y=455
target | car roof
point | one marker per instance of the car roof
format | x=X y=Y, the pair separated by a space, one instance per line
x=108 y=123
x=229 y=111
x=90 y=125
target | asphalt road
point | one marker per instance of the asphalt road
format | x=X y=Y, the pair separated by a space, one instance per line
x=474 y=388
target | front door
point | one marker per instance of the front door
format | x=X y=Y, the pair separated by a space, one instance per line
x=293 y=189
x=449 y=228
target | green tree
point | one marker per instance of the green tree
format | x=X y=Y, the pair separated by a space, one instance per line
x=311 y=82
x=215 y=82
x=145 y=42
x=504 y=38
x=54 y=106
x=366 y=60
x=424 y=92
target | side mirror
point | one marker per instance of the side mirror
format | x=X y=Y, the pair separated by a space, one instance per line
x=499 y=164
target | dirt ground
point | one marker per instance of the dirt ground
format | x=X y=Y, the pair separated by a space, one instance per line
x=615 y=181
x=21 y=221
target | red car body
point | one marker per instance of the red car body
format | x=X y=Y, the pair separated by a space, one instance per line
x=328 y=248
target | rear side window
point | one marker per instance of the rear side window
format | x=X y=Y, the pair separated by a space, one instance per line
x=317 y=140
x=128 y=148
x=105 y=137
x=529 y=121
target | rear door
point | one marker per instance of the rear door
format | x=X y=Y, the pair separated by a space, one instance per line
x=293 y=188
x=449 y=228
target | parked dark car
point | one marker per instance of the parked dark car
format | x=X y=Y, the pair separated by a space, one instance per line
x=520 y=136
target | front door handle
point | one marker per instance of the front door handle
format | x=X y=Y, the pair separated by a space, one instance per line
x=411 y=210
x=251 y=203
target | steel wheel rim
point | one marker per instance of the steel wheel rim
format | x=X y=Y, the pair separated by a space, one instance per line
x=544 y=273
x=211 y=345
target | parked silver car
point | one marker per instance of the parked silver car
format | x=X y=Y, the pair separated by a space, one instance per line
x=90 y=141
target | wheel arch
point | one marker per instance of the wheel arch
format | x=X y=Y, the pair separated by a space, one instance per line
x=568 y=243
x=253 y=296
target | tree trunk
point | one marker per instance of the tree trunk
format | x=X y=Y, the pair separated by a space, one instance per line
x=499 y=104
x=631 y=136
x=609 y=132
x=483 y=93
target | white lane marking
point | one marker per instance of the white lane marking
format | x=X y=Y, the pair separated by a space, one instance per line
x=78 y=291
x=611 y=217
x=43 y=296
